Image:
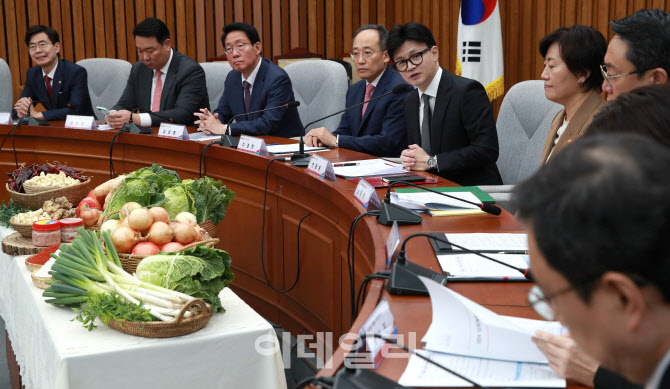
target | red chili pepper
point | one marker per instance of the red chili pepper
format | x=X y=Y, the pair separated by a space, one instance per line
x=43 y=256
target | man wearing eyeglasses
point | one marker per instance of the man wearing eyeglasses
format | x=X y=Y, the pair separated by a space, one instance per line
x=450 y=123
x=597 y=219
x=254 y=84
x=163 y=86
x=637 y=55
x=377 y=127
x=59 y=85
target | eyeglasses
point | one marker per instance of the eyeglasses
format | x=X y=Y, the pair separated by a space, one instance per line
x=42 y=45
x=366 y=53
x=603 y=70
x=416 y=60
x=240 y=47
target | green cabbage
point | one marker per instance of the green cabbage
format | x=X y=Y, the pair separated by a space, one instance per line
x=178 y=200
x=211 y=198
x=144 y=186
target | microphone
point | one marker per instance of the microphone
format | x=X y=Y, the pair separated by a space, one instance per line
x=390 y=212
x=403 y=278
x=302 y=159
x=230 y=141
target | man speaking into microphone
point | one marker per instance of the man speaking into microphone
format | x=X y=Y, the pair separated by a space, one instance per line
x=378 y=127
x=254 y=84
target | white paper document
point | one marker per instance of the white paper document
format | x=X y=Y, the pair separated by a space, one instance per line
x=485 y=372
x=293 y=148
x=474 y=267
x=368 y=167
x=463 y=327
x=490 y=242
x=200 y=136
x=418 y=200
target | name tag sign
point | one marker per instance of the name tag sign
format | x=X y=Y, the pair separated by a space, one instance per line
x=373 y=350
x=254 y=145
x=6 y=118
x=367 y=195
x=392 y=243
x=174 y=131
x=80 y=122
x=321 y=167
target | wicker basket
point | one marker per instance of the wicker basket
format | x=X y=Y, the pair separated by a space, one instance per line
x=32 y=267
x=160 y=329
x=130 y=261
x=210 y=227
x=39 y=281
x=73 y=193
x=26 y=230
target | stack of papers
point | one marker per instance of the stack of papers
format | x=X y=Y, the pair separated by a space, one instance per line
x=490 y=243
x=292 y=148
x=368 y=167
x=472 y=267
x=488 y=348
x=427 y=201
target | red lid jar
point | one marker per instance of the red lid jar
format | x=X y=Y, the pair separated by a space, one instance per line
x=46 y=232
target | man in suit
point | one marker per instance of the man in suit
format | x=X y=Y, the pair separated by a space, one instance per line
x=449 y=118
x=637 y=55
x=255 y=83
x=59 y=85
x=164 y=82
x=598 y=219
x=378 y=127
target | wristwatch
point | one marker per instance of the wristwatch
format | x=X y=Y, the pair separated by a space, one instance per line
x=432 y=162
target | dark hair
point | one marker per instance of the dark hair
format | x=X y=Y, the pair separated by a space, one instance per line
x=602 y=205
x=246 y=28
x=152 y=27
x=411 y=31
x=647 y=33
x=34 y=30
x=583 y=49
x=643 y=111
x=381 y=30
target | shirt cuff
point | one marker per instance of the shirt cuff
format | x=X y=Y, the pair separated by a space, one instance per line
x=145 y=119
x=337 y=141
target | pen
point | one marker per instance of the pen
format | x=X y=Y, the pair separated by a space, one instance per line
x=273 y=144
x=346 y=164
x=513 y=252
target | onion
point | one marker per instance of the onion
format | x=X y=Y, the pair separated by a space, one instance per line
x=171 y=247
x=160 y=214
x=127 y=209
x=160 y=233
x=90 y=217
x=187 y=218
x=201 y=233
x=140 y=219
x=146 y=248
x=124 y=238
x=110 y=225
x=183 y=233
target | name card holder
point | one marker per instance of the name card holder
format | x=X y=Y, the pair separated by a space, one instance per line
x=173 y=131
x=321 y=167
x=367 y=195
x=6 y=118
x=81 y=122
x=254 y=145
x=392 y=243
x=373 y=350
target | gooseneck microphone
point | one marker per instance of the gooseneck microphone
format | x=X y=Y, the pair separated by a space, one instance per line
x=230 y=141
x=302 y=159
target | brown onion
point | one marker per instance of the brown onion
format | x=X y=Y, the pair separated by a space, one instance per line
x=140 y=219
x=90 y=217
x=187 y=218
x=183 y=233
x=127 y=209
x=160 y=214
x=160 y=233
x=124 y=239
x=201 y=233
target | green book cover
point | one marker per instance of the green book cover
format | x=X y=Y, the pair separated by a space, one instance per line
x=484 y=197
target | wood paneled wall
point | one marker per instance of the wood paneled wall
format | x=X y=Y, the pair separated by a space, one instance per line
x=103 y=28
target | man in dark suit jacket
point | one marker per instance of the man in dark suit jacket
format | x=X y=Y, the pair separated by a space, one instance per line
x=59 y=85
x=255 y=83
x=378 y=127
x=599 y=253
x=454 y=134
x=164 y=82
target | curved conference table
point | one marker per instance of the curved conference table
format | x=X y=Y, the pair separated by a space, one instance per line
x=320 y=300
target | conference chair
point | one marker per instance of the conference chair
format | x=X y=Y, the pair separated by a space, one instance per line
x=321 y=87
x=215 y=76
x=347 y=67
x=107 y=78
x=5 y=87
x=296 y=54
x=523 y=123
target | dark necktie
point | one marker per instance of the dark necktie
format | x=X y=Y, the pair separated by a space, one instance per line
x=425 y=124
x=247 y=94
x=47 y=81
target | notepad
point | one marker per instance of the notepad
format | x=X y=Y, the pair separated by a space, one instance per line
x=368 y=167
x=472 y=267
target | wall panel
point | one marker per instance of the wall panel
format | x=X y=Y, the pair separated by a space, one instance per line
x=103 y=28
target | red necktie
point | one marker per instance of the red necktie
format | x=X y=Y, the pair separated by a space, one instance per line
x=47 y=81
x=158 y=91
x=368 y=95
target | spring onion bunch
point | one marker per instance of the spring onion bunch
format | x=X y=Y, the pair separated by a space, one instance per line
x=83 y=269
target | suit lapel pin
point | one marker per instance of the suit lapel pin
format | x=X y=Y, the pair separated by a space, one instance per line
x=569 y=141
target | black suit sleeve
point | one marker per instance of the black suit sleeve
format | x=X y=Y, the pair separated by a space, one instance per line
x=127 y=100
x=608 y=379
x=190 y=87
x=79 y=98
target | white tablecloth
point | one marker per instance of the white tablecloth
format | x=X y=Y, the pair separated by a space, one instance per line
x=54 y=352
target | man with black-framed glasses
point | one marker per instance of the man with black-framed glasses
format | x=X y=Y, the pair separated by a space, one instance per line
x=450 y=125
x=637 y=55
x=598 y=219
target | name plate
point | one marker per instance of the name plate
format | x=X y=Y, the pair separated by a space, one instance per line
x=174 y=131
x=392 y=243
x=321 y=167
x=251 y=144
x=6 y=118
x=367 y=195
x=373 y=350
x=81 y=122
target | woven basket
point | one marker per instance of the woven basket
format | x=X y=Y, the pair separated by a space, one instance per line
x=210 y=227
x=32 y=266
x=39 y=281
x=130 y=261
x=74 y=195
x=160 y=329
x=26 y=230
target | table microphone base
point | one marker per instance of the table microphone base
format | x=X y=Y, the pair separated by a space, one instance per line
x=135 y=129
x=404 y=280
x=229 y=141
x=363 y=378
x=31 y=121
x=300 y=160
x=390 y=213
